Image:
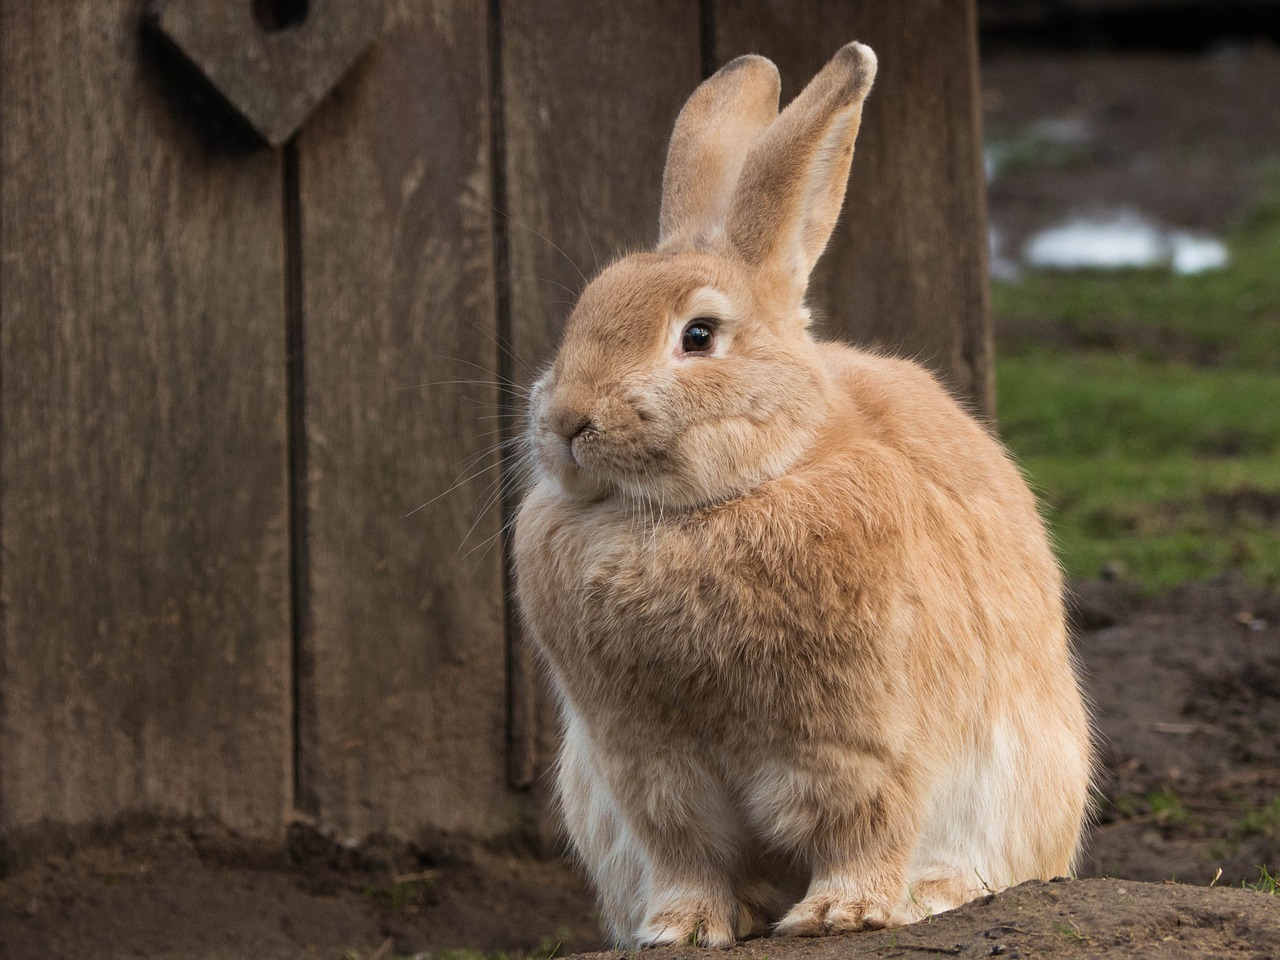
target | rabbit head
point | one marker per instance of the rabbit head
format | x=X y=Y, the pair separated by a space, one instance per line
x=687 y=375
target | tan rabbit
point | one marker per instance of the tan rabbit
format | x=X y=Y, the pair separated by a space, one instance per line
x=799 y=608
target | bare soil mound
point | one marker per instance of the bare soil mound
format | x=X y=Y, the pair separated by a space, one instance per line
x=1071 y=918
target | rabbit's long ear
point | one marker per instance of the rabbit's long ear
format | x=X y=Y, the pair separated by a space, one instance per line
x=792 y=186
x=712 y=136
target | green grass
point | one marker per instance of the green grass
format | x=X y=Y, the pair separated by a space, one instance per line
x=1163 y=806
x=1166 y=807
x=1159 y=469
x=1264 y=821
x=1069 y=930
x=1145 y=408
x=1031 y=150
x=1266 y=883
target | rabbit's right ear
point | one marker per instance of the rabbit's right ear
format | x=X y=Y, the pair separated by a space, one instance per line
x=709 y=145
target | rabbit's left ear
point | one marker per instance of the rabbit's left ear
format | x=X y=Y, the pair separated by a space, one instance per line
x=793 y=182
x=712 y=135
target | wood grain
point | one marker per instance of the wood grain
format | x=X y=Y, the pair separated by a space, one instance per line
x=906 y=269
x=591 y=91
x=145 y=665
x=405 y=687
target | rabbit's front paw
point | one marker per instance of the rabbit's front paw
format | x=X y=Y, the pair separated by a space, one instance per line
x=688 y=922
x=836 y=911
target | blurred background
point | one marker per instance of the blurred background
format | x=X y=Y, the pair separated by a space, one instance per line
x=259 y=686
x=1132 y=154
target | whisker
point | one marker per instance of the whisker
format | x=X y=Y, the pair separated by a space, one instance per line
x=557 y=283
x=495 y=491
x=533 y=371
x=516 y=411
x=496 y=339
x=562 y=170
x=508 y=388
x=553 y=245
x=465 y=480
x=503 y=530
x=491 y=493
x=488 y=451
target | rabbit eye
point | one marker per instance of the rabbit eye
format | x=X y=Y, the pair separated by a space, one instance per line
x=699 y=335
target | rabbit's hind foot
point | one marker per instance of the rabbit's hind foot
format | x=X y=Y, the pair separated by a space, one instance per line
x=760 y=905
x=928 y=898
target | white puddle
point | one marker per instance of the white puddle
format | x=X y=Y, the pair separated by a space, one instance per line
x=1122 y=240
x=1125 y=241
x=1110 y=240
x=1194 y=253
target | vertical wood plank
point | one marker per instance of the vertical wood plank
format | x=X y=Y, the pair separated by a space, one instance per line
x=145 y=664
x=591 y=91
x=406 y=686
x=906 y=268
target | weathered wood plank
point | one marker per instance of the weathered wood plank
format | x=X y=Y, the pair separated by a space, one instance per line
x=405 y=695
x=145 y=663
x=591 y=90
x=906 y=268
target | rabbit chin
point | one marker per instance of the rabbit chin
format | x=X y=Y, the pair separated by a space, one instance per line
x=646 y=489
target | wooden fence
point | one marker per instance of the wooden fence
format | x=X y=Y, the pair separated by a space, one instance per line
x=235 y=380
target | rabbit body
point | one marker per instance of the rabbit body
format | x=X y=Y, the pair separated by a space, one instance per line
x=798 y=606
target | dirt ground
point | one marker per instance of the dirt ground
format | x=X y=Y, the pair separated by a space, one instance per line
x=1186 y=688
x=177 y=893
x=1186 y=696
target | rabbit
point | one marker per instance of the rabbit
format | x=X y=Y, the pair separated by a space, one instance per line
x=799 y=609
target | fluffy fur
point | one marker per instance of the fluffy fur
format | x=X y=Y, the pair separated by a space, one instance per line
x=800 y=610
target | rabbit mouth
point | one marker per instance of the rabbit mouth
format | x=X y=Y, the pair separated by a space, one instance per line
x=620 y=460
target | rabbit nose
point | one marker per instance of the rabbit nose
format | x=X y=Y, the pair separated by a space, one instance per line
x=568 y=423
